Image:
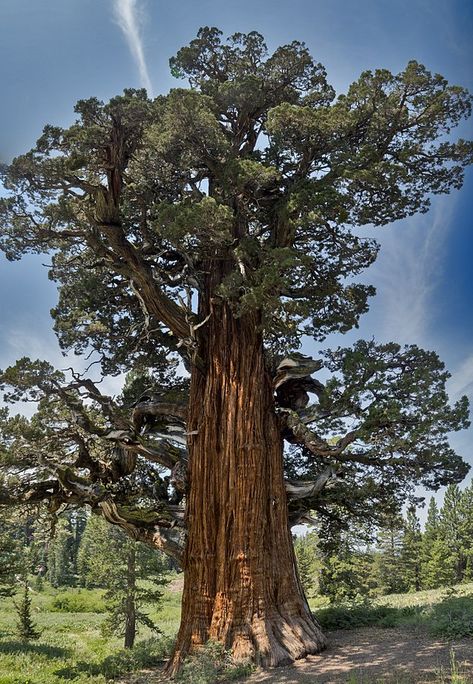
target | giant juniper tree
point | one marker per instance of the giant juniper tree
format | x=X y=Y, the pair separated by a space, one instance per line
x=213 y=228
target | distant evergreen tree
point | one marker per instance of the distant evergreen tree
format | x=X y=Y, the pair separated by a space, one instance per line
x=60 y=567
x=39 y=547
x=11 y=558
x=110 y=559
x=63 y=549
x=308 y=562
x=433 y=549
x=411 y=552
x=450 y=528
x=467 y=531
x=25 y=627
x=390 y=579
x=347 y=570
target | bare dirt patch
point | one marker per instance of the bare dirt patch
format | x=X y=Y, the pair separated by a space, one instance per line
x=364 y=656
x=176 y=586
x=370 y=654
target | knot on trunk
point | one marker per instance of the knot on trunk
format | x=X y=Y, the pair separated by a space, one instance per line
x=293 y=381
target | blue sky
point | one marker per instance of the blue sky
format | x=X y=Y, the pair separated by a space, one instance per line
x=54 y=52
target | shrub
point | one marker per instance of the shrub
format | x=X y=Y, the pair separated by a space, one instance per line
x=364 y=615
x=212 y=664
x=146 y=653
x=78 y=602
x=452 y=618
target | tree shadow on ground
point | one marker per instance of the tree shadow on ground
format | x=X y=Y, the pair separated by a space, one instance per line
x=370 y=655
x=116 y=664
x=39 y=649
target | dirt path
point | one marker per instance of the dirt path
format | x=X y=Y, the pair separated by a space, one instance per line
x=364 y=656
x=375 y=655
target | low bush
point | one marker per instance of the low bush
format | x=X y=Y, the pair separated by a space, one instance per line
x=364 y=615
x=146 y=653
x=78 y=601
x=210 y=665
x=452 y=618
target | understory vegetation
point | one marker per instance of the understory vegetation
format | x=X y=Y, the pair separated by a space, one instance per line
x=72 y=647
x=71 y=583
x=446 y=613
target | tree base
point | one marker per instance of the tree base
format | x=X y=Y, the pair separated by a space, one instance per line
x=266 y=642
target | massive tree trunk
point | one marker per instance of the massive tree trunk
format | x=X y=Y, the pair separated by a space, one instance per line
x=241 y=584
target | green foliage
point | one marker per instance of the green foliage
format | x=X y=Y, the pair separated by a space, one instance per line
x=212 y=664
x=447 y=617
x=390 y=568
x=411 y=551
x=147 y=653
x=453 y=618
x=447 y=542
x=361 y=615
x=243 y=193
x=347 y=568
x=25 y=628
x=64 y=547
x=131 y=574
x=404 y=559
x=309 y=562
x=78 y=602
x=71 y=647
x=11 y=559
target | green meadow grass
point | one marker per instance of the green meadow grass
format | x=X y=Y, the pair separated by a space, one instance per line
x=446 y=613
x=72 y=649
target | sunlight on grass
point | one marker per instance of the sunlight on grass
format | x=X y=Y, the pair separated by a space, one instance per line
x=71 y=646
x=72 y=649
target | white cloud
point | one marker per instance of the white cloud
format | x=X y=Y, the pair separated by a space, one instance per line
x=23 y=338
x=461 y=382
x=407 y=272
x=128 y=16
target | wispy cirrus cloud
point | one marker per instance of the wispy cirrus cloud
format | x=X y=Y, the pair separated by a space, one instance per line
x=407 y=273
x=461 y=381
x=128 y=15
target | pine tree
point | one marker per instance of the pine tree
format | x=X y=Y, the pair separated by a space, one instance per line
x=431 y=548
x=467 y=531
x=347 y=569
x=109 y=559
x=25 y=628
x=389 y=561
x=60 y=566
x=308 y=562
x=411 y=552
x=10 y=560
x=63 y=548
x=450 y=531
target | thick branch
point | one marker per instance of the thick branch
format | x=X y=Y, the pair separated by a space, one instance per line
x=148 y=409
x=152 y=534
x=157 y=303
x=308 y=489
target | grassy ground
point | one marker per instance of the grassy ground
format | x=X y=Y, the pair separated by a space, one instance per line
x=445 y=613
x=72 y=649
x=71 y=646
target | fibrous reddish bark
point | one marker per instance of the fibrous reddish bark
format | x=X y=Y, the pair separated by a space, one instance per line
x=241 y=586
